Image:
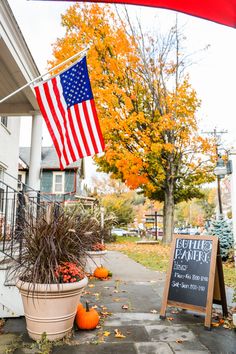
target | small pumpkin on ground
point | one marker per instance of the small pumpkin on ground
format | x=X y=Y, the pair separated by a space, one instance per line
x=87 y=318
x=80 y=309
x=101 y=272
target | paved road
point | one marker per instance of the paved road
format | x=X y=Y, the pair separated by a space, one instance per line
x=130 y=302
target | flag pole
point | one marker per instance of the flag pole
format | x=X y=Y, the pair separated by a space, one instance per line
x=39 y=77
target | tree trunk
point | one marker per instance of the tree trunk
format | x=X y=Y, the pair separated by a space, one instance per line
x=168 y=220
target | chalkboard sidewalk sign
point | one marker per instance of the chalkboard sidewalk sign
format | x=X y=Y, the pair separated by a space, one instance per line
x=195 y=277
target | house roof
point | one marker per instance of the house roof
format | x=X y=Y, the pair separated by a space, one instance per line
x=49 y=158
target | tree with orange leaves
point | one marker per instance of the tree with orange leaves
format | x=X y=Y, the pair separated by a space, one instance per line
x=146 y=106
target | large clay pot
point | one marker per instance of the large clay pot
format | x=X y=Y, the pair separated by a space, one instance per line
x=93 y=260
x=50 y=308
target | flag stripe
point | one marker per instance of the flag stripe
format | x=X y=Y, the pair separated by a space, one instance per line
x=76 y=133
x=81 y=128
x=86 y=128
x=45 y=116
x=62 y=119
x=52 y=125
x=54 y=116
x=92 y=117
x=67 y=121
x=95 y=117
x=90 y=129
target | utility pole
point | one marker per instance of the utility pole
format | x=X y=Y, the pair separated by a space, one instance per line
x=217 y=136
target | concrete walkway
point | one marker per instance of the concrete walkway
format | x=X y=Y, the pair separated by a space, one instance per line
x=129 y=304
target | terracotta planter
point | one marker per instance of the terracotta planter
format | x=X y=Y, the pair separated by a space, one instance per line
x=50 y=308
x=93 y=260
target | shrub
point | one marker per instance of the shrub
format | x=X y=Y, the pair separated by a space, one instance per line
x=223 y=230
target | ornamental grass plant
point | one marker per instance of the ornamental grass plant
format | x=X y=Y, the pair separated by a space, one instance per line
x=51 y=242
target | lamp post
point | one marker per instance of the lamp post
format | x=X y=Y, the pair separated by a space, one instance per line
x=220 y=171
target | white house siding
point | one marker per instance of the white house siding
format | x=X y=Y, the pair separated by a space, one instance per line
x=9 y=148
x=17 y=67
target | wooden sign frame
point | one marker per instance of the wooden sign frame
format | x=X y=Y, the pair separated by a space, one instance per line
x=216 y=289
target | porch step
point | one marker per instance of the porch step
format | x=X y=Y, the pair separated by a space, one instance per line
x=10 y=298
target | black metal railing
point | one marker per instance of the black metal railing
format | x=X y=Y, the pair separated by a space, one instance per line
x=18 y=207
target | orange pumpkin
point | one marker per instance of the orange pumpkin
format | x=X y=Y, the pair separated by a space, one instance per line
x=80 y=309
x=101 y=272
x=87 y=318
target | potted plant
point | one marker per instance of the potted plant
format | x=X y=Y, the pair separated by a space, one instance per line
x=95 y=257
x=50 y=272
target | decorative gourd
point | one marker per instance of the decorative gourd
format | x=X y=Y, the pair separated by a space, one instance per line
x=101 y=272
x=87 y=318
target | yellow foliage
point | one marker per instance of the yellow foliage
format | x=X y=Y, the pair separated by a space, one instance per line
x=145 y=125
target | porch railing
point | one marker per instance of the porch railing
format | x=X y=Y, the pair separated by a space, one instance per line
x=18 y=207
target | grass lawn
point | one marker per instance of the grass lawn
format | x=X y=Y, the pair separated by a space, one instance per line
x=156 y=257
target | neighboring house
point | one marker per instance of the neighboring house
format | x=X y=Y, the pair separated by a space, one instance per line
x=55 y=184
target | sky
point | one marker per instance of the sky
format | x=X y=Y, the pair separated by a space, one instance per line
x=213 y=76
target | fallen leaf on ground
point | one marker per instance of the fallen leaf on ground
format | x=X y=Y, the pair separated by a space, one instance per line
x=118 y=334
x=106 y=333
x=94 y=307
x=170 y=318
x=96 y=294
x=105 y=314
x=215 y=324
x=115 y=291
x=98 y=326
x=179 y=341
x=228 y=324
x=153 y=311
x=91 y=285
x=125 y=307
x=116 y=300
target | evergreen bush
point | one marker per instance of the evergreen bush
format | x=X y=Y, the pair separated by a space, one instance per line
x=223 y=230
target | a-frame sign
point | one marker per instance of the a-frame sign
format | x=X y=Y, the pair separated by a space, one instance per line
x=195 y=278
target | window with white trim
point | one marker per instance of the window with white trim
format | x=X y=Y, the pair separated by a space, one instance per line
x=58 y=182
x=21 y=180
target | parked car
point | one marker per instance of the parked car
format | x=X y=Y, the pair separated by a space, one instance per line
x=119 y=232
x=194 y=231
x=186 y=231
x=133 y=232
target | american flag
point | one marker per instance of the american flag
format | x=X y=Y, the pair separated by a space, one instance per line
x=67 y=105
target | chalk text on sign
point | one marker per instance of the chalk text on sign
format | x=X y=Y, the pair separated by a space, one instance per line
x=196 y=250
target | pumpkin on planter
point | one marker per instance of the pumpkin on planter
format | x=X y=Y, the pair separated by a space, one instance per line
x=87 y=318
x=101 y=272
